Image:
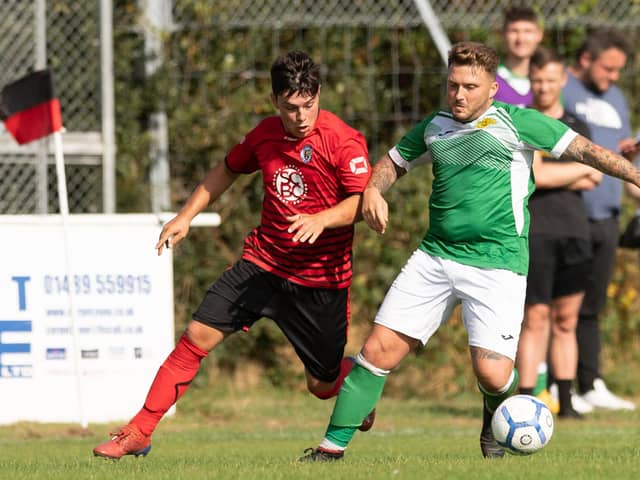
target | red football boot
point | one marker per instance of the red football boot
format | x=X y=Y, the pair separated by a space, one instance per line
x=367 y=423
x=129 y=440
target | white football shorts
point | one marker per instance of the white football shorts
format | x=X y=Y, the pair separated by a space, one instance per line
x=427 y=289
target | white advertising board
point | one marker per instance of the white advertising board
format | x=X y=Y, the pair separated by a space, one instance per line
x=122 y=295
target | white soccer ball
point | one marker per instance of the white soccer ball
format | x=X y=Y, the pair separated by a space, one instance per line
x=522 y=424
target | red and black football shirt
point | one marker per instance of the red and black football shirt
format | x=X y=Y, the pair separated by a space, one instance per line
x=303 y=175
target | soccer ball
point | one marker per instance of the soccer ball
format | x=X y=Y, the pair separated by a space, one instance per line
x=522 y=424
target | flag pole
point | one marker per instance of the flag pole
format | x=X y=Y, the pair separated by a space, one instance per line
x=64 y=214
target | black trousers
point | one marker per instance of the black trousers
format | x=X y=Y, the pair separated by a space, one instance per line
x=604 y=241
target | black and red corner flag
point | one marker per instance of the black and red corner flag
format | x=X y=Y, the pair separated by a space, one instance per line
x=29 y=108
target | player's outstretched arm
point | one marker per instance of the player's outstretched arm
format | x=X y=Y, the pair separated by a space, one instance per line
x=375 y=210
x=583 y=150
x=214 y=184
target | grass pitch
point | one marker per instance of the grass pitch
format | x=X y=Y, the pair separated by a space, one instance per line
x=219 y=435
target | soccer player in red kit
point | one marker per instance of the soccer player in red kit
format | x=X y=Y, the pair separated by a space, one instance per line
x=295 y=266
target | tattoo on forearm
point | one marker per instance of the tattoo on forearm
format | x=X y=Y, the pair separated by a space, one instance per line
x=584 y=151
x=483 y=353
x=385 y=173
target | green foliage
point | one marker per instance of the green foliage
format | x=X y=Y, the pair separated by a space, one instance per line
x=215 y=87
x=132 y=106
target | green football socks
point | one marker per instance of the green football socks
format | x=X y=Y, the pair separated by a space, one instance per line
x=541 y=379
x=360 y=392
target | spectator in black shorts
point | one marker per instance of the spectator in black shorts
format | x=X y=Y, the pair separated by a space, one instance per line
x=560 y=251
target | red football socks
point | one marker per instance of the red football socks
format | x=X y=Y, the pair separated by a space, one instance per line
x=172 y=380
x=345 y=367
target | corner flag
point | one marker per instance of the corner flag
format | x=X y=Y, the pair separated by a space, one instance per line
x=29 y=107
x=30 y=111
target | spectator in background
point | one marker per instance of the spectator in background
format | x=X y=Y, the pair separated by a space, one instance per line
x=591 y=95
x=522 y=33
x=559 y=245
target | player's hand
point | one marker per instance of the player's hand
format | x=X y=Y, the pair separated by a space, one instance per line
x=629 y=148
x=375 y=210
x=172 y=233
x=307 y=228
x=594 y=175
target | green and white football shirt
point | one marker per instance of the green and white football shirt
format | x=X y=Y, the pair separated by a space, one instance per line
x=482 y=181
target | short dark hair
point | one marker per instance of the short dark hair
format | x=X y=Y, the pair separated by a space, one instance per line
x=295 y=72
x=519 y=13
x=603 y=39
x=543 y=56
x=475 y=55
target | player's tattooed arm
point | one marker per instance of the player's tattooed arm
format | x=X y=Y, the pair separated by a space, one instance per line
x=385 y=173
x=375 y=210
x=583 y=150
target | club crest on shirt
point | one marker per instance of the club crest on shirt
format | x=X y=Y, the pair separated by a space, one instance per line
x=306 y=153
x=289 y=184
x=485 y=122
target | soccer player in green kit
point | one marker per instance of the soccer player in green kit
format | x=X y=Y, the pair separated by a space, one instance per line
x=475 y=251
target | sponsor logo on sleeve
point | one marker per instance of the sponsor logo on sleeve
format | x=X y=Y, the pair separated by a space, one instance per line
x=359 y=165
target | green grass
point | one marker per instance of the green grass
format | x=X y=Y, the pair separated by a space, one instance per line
x=223 y=435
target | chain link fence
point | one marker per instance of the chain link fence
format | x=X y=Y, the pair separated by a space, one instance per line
x=63 y=36
x=453 y=14
x=376 y=55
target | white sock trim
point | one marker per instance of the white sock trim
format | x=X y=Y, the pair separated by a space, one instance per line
x=329 y=445
x=378 y=372
x=500 y=390
x=509 y=382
